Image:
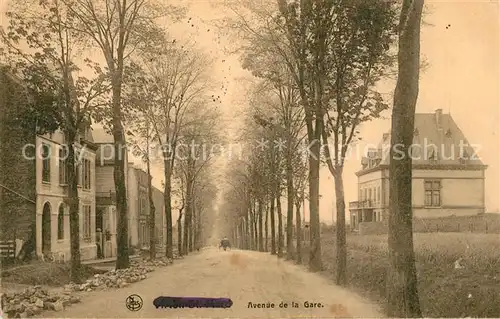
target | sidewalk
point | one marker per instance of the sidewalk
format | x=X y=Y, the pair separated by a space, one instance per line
x=105 y=260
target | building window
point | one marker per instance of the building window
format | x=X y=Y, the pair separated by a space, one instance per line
x=143 y=205
x=432 y=155
x=463 y=157
x=60 y=223
x=378 y=194
x=45 y=163
x=87 y=222
x=143 y=234
x=432 y=193
x=107 y=151
x=86 y=174
x=78 y=169
x=63 y=176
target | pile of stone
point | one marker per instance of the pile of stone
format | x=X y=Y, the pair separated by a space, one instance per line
x=158 y=262
x=112 y=279
x=32 y=301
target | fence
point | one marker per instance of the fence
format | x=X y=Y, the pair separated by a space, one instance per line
x=483 y=223
x=7 y=249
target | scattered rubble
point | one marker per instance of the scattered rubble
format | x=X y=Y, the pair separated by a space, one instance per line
x=32 y=301
x=120 y=278
x=458 y=264
x=158 y=262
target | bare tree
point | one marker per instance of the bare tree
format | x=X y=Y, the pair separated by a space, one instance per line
x=180 y=228
x=142 y=137
x=48 y=66
x=205 y=194
x=117 y=28
x=402 y=293
x=296 y=32
x=194 y=157
x=281 y=102
x=177 y=77
x=360 y=39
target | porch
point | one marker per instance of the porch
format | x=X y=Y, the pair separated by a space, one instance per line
x=105 y=221
x=361 y=212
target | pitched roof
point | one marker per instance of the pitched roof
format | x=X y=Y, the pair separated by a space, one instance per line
x=101 y=136
x=447 y=138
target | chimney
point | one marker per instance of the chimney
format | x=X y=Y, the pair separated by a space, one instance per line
x=439 y=113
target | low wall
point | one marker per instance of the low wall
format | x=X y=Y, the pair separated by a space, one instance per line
x=483 y=223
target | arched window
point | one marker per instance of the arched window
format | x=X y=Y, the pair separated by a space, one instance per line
x=60 y=223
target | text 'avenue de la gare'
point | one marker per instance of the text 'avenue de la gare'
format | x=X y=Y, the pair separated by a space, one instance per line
x=284 y=304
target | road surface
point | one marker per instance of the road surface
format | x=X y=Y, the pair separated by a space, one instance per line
x=245 y=277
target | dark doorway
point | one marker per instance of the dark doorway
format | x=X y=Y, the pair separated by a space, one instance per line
x=99 y=222
x=100 y=231
x=46 y=230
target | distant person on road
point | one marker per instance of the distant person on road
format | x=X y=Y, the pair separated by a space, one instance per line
x=224 y=243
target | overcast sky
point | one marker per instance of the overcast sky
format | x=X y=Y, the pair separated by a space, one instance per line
x=462 y=78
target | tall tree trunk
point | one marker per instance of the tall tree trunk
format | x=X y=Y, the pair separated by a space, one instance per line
x=197 y=228
x=261 y=237
x=289 y=209
x=74 y=209
x=273 y=228
x=267 y=230
x=243 y=235
x=167 y=197
x=256 y=230
x=315 y=263
x=247 y=232
x=192 y=236
x=280 y=224
x=239 y=243
x=122 y=258
x=251 y=229
x=299 y=232
x=179 y=233
x=187 y=217
x=340 y=228
x=152 y=211
x=402 y=292
x=199 y=234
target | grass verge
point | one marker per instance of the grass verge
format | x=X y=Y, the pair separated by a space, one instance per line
x=471 y=291
x=43 y=273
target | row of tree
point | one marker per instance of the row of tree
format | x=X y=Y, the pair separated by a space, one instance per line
x=84 y=61
x=317 y=65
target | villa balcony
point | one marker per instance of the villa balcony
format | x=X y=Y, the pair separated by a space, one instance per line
x=361 y=204
x=105 y=198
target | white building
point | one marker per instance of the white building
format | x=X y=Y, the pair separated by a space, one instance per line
x=52 y=210
x=448 y=177
x=137 y=198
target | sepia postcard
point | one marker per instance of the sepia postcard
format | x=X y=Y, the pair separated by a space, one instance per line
x=249 y=159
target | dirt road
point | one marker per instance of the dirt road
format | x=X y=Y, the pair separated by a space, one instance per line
x=245 y=277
